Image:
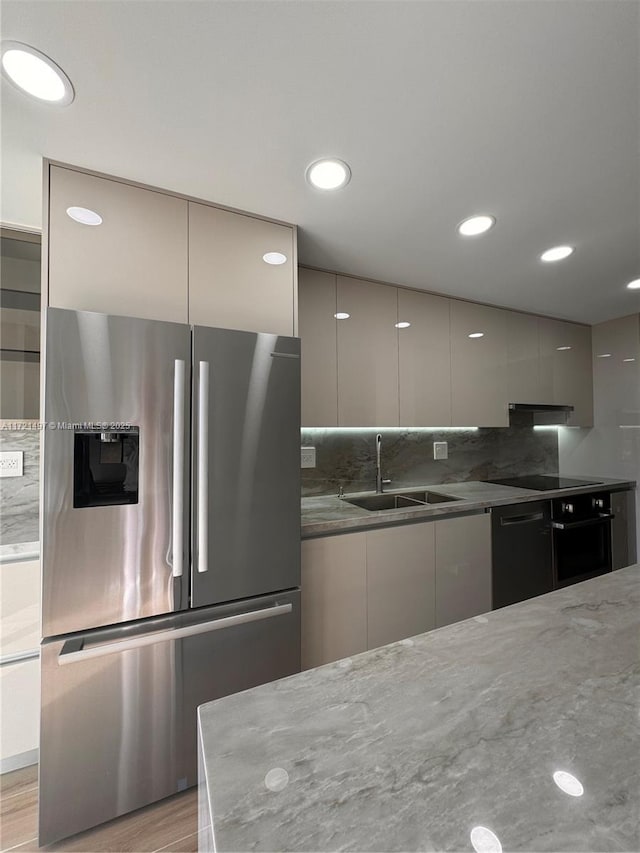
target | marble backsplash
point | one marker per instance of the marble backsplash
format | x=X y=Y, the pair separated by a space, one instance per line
x=346 y=457
x=19 y=496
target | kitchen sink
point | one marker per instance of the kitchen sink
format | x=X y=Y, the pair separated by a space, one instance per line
x=406 y=500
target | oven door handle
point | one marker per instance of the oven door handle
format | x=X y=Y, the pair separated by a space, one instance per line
x=587 y=522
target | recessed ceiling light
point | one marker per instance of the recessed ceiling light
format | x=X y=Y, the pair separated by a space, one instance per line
x=476 y=335
x=603 y=355
x=342 y=315
x=557 y=253
x=628 y=359
x=402 y=325
x=34 y=73
x=568 y=783
x=84 y=216
x=274 y=258
x=484 y=840
x=562 y=349
x=634 y=285
x=476 y=225
x=329 y=174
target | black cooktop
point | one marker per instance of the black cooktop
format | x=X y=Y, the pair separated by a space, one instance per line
x=543 y=482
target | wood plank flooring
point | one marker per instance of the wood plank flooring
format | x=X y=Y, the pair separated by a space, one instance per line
x=170 y=826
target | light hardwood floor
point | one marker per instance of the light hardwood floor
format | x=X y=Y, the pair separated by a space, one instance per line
x=170 y=826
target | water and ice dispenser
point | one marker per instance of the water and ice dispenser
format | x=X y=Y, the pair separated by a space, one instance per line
x=105 y=467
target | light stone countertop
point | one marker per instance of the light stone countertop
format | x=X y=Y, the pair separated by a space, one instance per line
x=328 y=514
x=19 y=552
x=410 y=746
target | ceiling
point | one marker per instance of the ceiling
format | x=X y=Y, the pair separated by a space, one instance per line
x=527 y=110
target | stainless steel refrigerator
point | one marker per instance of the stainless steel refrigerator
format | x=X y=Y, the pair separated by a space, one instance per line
x=170 y=549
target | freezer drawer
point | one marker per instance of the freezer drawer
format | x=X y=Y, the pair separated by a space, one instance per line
x=236 y=659
x=118 y=718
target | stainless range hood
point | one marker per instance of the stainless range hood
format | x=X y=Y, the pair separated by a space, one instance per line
x=538 y=414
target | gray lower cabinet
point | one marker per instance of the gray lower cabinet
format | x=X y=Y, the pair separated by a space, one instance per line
x=623 y=529
x=334 y=598
x=363 y=590
x=463 y=568
x=400 y=583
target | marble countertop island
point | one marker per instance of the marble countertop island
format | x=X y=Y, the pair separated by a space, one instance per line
x=411 y=746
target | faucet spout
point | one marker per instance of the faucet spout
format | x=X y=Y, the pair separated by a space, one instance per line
x=378 y=465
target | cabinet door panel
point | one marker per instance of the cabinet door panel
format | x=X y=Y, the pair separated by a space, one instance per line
x=317 y=328
x=400 y=583
x=334 y=598
x=424 y=359
x=478 y=365
x=623 y=529
x=565 y=357
x=523 y=359
x=616 y=372
x=463 y=568
x=367 y=354
x=230 y=285
x=134 y=264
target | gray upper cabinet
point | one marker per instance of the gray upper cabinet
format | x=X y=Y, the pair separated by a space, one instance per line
x=161 y=257
x=523 y=359
x=616 y=371
x=432 y=372
x=424 y=359
x=478 y=365
x=133 y=264
x=566 y=368
x=230 y=285
x=317 y=329
x=367 y=354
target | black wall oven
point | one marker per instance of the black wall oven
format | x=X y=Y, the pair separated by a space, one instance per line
x=581 y=526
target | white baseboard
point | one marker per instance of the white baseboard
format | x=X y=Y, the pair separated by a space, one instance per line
x=17 y=762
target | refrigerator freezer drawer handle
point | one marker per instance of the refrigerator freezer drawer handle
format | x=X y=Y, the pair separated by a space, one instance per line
x=177 y=533
x=75 y=655
x=203 y=466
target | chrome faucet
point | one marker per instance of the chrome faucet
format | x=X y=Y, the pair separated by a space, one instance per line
x=379 y=481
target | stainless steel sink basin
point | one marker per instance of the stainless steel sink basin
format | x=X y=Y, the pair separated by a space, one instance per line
x=406 y=500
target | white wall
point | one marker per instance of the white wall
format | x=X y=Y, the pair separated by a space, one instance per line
x=612 y=447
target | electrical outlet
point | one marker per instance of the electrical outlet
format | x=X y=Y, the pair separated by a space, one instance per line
x=307 y=457
x=11 y=463
x=440 y=450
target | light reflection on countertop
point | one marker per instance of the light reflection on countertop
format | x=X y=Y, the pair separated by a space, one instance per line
x=415 y=744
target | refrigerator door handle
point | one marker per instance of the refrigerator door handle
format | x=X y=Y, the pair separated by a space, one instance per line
x=203 y=466
x=74 y=651
x=177 y=532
